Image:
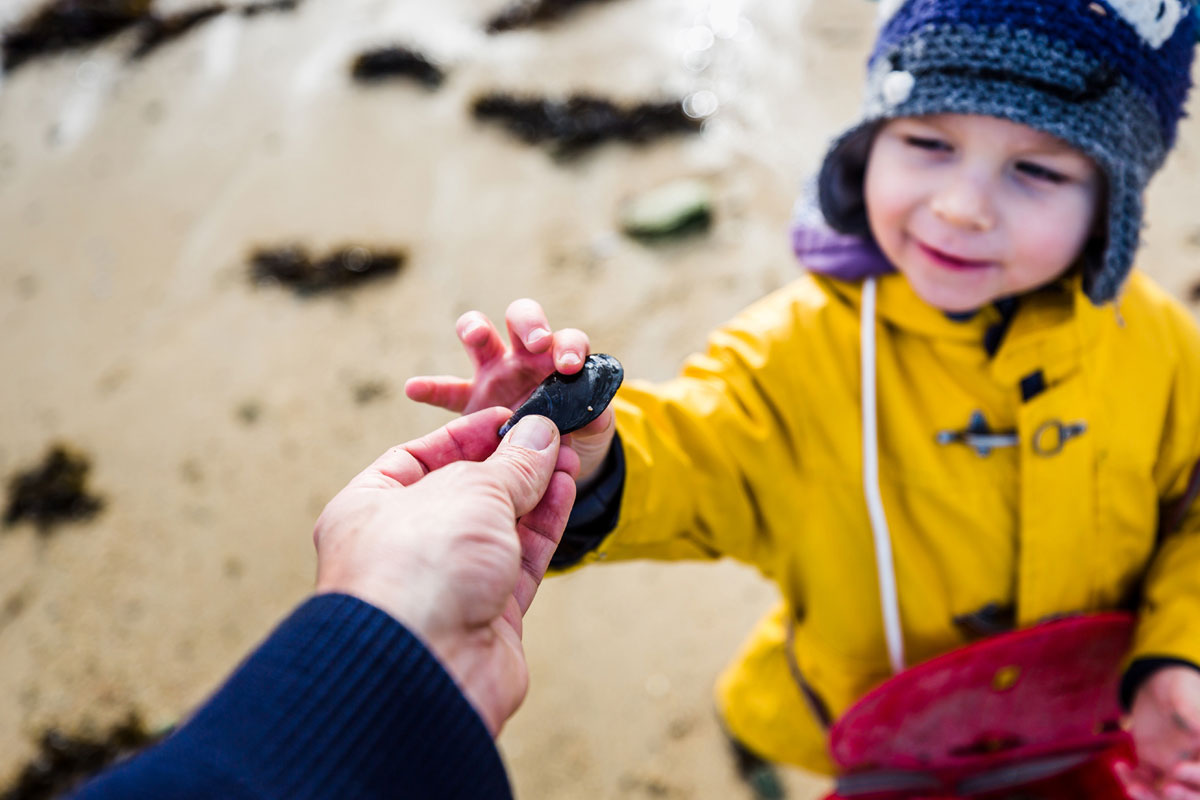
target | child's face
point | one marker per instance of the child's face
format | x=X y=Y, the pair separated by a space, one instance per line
x=973 y=208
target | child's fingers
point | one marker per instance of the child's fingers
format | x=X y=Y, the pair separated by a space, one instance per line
x=1187 y=772
x=570 y=349
x=528 y=328
x=598 y=426
x=592 y=443
x=1176 y=791
x=480 y=338
x=443 y=391
x=1134 y=784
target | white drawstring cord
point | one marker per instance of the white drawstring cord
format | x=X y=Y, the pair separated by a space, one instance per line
x=884 y=563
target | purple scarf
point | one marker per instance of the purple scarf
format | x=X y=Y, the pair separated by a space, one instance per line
x=849 y=258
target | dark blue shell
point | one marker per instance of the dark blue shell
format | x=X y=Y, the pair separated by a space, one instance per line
x=573 y=401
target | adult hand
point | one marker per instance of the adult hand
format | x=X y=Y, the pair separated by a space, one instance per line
x=1165 y=725
x=507 y=374
x=454 y=546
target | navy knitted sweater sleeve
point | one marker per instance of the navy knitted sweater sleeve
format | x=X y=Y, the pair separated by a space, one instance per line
x=341 y=701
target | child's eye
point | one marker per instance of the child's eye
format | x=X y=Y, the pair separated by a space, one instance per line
x=1040 y=173
x=927 y=143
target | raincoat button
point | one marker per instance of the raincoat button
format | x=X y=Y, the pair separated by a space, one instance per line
x=1052 y=435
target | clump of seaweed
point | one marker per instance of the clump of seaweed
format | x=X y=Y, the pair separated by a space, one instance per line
x=348 y=266
x=370 y=391
x=1193 y=293
x=157 y=31
x=583 y=121
x=269 y=6
x=52 y=492
x=69 y=24
x=524 y=13
x=385 y=63
x=64 y=761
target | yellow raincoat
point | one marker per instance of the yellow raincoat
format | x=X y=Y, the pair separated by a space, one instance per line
x=756 y=452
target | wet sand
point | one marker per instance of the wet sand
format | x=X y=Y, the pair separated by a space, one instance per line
x=220 y=416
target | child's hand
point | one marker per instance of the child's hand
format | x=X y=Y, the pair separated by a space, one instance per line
x=506 y=376
x=1166 y=732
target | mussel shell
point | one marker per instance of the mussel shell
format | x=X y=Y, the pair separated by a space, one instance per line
x=573 y=401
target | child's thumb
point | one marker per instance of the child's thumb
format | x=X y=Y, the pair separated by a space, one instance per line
x=524 y=462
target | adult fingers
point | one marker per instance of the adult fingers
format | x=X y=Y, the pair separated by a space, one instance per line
x=443 y=391
x=524 y=462
x=540 y=532
x=469 y=438
x=568 y=460
x=570 y=349
x=480 y=338
x=528 y=329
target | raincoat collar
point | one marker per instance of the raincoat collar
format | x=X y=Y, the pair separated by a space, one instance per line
x=1044 y=315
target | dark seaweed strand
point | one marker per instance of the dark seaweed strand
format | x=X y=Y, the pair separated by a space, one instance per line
x=69 y=24
x=377 y=66
x=157 y=31
x=524 y=13
x=64 y=762
x=292 y=266
x=583 y=121
x=52 y=492
x=269 y=7
x=528 y=119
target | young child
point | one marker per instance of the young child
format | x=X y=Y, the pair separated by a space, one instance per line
x=968 y=416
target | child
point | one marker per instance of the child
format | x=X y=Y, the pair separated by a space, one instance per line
x=967 y=417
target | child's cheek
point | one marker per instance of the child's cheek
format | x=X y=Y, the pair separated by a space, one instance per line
x=1047 y=242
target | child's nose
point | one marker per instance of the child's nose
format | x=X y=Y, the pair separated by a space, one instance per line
x=964 y=201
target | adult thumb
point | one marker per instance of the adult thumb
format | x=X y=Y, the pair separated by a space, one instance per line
x=524 y=461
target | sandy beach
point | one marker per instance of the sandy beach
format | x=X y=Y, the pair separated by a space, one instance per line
x=221 y=415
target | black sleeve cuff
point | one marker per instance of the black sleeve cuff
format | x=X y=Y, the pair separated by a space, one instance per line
x=1141 y=670
x=596 y=511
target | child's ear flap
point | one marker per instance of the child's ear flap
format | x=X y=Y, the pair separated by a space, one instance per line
x=1094 y=256
x=840 y=184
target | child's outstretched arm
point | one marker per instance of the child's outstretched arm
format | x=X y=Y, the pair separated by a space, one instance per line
x=506 y=374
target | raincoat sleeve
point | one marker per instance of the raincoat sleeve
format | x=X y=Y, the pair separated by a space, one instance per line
x=1169 y=622
x=709 y=457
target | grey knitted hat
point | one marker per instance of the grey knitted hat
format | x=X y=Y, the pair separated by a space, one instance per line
x=1110 y=77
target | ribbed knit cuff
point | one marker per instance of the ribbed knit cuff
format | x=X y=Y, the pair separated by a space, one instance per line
x=341 y=701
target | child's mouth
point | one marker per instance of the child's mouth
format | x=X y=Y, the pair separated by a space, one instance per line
x=950 y=261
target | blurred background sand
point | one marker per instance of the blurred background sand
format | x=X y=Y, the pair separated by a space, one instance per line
x=221 y=416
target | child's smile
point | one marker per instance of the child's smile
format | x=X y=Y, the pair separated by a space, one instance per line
x=974 y=208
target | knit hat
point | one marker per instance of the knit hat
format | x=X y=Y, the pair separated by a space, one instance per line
x=1109 y=77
